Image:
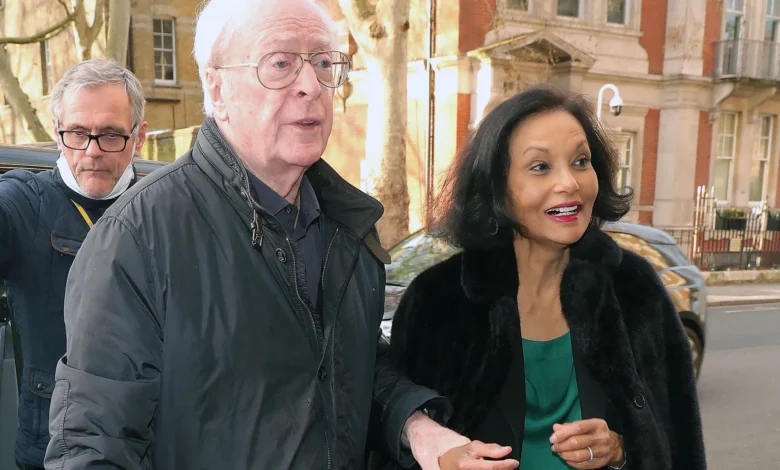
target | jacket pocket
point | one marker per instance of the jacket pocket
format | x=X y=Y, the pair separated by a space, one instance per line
x=65 y=244
x=40 y=383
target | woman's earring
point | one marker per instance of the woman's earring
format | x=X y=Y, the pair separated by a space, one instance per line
x=494 y=225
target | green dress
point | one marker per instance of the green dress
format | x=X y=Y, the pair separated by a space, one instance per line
x=551 y=397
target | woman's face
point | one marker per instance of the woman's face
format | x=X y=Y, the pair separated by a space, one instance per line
x=552 y=185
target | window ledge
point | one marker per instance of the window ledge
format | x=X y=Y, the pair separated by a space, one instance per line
x=166 y=84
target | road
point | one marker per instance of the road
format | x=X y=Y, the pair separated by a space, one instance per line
x=739 y=388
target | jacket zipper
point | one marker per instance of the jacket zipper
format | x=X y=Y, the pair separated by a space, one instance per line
x=257 y=239
x=314 y=327
x=332 y=398
x=327 y=256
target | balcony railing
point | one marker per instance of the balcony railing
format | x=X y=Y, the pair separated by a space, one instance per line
x=742 y=58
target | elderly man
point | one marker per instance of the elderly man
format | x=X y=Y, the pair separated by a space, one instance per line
x=98 y=110
x=226 y=314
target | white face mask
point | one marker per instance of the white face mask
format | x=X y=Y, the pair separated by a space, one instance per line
x=70 y=181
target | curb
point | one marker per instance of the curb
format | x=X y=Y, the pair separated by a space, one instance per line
x=745 y=301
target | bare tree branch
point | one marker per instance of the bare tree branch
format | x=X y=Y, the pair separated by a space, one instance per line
x=65 y=6
x=41 y=36
x=20 y=101
x=97 y=22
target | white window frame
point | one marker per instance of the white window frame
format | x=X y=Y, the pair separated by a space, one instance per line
x=741 y=13
x=766 y=157
x=731 y=158
x=626 y=13
x=769 y=66
x=162 y=49
x=624 y=142
x=579 y=11
x=517 y=10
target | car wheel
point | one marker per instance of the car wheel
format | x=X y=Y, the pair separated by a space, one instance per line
x=697 y=350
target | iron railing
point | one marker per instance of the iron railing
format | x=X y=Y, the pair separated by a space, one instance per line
x=743 y=58
x=715 y=242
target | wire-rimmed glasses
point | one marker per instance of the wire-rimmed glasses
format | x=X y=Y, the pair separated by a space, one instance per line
x=277 y=70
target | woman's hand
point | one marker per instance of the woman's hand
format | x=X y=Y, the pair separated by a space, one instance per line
x=472 y=457
x=571 y=442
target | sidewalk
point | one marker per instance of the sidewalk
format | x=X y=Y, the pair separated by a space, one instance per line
x=744 y=294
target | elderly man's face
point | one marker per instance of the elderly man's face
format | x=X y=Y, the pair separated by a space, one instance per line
x=97 y=110
x=288 y=126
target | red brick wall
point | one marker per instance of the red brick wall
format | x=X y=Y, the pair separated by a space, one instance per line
x=654 y=33
x=464 y=115
x=476 y=17
x=711 y=33
x=703 y=150
x=649 y=162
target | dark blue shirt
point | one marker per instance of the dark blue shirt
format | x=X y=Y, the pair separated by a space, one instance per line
x=305 y=235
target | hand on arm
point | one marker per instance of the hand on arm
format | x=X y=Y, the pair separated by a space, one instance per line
x=438 y=448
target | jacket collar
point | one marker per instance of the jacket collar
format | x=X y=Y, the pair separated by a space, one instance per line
x=478 y=275
x=339 y=201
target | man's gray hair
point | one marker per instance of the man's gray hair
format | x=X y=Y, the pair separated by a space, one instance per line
x=220 y=22
x=97 y=72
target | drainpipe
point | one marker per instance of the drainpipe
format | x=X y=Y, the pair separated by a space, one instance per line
x=429 y=148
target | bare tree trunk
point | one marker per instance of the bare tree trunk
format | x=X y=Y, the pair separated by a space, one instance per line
x=381 y=32
x=19 y=100
x=118 y=30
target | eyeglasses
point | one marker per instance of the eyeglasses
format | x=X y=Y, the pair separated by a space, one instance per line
x=277 y=70
x=107 y=142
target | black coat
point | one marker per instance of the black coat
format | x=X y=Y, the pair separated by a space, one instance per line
x=189 y=344
x=40 y=232
x=457 y=327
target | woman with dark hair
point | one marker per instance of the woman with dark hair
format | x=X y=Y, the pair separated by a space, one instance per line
x=544 y=334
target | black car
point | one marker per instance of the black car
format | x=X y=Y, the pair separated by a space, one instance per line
x=683 y=280
x=33 y=158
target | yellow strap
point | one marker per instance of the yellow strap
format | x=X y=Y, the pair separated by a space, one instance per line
x=83 y=213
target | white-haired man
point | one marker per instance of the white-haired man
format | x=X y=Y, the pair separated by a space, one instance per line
x=227 y=313
x=98 y=111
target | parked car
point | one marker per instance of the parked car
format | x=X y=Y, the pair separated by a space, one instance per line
x=34 y=158
x=684 y=282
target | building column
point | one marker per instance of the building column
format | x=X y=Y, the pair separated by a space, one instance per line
x=676 y=167
x=680 y=110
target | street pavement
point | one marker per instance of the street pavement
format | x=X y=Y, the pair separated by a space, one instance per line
x=742 y=294
x=739 y=386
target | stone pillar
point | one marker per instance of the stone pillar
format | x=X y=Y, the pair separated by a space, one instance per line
x=684 y=37
x=676 y=168
x=679 y=117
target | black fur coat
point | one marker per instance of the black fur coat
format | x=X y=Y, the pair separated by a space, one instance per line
x=457 y=325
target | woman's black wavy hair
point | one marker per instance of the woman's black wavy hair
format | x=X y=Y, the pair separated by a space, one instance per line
x=473 y=209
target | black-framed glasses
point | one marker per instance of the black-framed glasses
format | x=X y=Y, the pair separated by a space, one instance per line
x=107 y=142
x=277 y=70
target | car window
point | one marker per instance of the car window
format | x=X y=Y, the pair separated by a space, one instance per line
x=661 y=257
x=414 y=255
x=642 y=248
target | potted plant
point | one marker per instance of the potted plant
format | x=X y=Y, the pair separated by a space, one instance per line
x=730 y=218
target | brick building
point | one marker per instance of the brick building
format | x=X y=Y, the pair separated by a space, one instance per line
x=698 y=78
x=159 y=53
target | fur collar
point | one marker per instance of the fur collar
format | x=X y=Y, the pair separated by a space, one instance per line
x=479 y=278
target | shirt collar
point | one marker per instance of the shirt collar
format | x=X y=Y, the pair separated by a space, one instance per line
x=275 y=203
